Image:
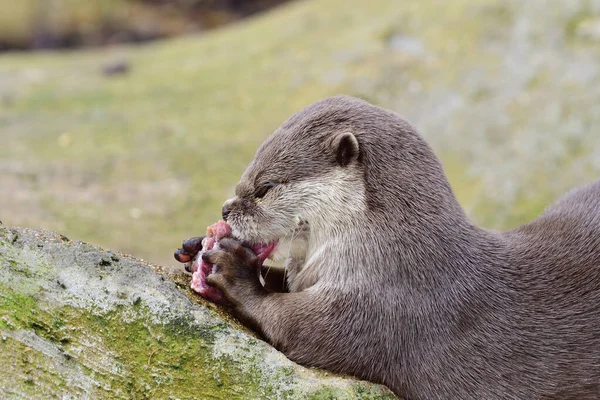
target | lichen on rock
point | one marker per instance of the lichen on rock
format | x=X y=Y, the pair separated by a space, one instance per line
x=78 y=321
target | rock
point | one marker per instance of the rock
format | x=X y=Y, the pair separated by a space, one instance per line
x=77 y=321
x=116 y=68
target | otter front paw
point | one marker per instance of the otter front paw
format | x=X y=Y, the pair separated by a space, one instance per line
x=188 y=251
x=237 y=272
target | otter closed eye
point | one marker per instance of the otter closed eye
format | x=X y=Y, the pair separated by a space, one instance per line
x=264 y=189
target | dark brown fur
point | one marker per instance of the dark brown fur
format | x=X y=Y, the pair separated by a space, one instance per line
x=447 y=310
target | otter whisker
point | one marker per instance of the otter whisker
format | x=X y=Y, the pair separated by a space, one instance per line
x=288 y=256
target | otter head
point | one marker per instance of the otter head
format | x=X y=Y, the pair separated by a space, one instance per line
x=308 y=170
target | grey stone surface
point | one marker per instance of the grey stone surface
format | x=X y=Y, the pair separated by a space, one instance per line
x=80 y=322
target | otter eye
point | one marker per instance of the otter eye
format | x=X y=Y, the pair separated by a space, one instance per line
x=263 y=190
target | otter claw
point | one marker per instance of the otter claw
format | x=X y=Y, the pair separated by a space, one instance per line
x=182 y=256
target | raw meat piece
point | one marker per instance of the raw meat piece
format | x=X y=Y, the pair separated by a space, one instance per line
x=202 y=269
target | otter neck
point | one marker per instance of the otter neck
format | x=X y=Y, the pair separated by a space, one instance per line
x=420 y=254
x=333 y=254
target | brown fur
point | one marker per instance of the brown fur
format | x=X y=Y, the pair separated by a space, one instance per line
x=413 y=295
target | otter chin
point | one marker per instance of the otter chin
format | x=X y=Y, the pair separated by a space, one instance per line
x=381 y=274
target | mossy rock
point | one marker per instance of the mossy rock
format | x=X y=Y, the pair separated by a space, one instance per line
x=77 y=321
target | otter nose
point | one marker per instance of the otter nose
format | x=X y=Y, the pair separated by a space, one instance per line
x=225 y=212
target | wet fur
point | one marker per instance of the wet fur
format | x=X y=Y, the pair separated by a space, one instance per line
x=398 y=287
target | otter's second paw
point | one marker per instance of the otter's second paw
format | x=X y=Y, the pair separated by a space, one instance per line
x=237 y=274
x=188 y=251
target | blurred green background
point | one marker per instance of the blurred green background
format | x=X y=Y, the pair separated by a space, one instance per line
x=135 y=146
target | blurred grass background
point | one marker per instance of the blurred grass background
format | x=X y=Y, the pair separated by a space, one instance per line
x=507 y=93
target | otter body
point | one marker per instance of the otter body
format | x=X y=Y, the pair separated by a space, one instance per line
x=390 y=282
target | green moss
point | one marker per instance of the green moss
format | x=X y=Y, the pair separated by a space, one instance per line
x=362 y=392
x=35 y=371
x=324 y=394
x=16 y=310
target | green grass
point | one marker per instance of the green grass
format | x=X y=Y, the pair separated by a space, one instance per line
x=139 y=162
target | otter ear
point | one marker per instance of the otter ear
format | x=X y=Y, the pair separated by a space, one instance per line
x=346 y=148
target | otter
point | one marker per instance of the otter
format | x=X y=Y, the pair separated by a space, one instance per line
x=389 y=281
